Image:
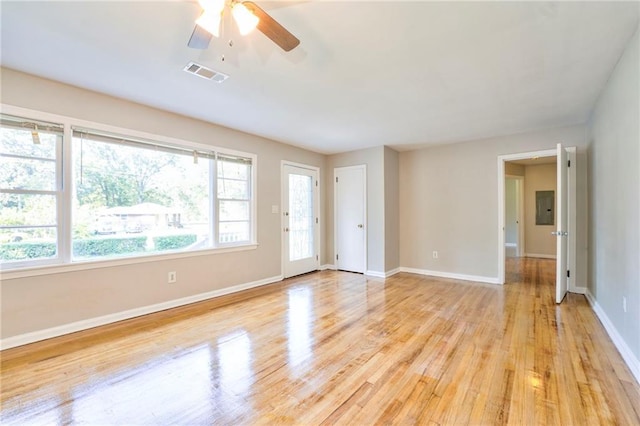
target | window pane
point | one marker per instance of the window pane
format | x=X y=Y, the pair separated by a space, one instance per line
x=21 y=173
x=234 y=210
x=233 y=189
x=301 y=220
x=233 y=170
x=231 y=232
x=27 y=244
x=27 y=209
x=20 y=142
x=132 y=200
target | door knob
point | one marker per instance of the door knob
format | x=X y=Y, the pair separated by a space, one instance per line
x=286 y=229
x=360 y=226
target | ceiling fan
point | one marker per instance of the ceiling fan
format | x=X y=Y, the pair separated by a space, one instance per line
x=247 y=16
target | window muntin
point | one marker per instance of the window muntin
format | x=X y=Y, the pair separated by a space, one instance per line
x=30 y=191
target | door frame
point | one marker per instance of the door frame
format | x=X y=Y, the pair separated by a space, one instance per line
x=316 y=202
x=519 y=211
x=364 y=210
x=571 y=211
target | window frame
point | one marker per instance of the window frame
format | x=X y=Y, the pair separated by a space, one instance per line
x=57 y=192
x=63 y=261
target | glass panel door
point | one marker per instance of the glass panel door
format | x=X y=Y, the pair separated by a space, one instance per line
x=300 y=220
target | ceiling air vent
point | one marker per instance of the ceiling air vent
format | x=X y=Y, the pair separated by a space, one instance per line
x=205 y=72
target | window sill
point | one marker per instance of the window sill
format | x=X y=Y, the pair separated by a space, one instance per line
x=11 y=274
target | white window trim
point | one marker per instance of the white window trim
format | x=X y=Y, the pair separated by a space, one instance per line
x=63 y=262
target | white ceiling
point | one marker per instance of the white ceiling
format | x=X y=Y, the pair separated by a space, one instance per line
x=402 y=74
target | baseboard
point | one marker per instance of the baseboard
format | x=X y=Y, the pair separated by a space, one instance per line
x=629 y=358
x=439 y=274
x=540 y=256
x=73 y=327
x=328 y=266
x=379 y=274
x=392 y=272
x=578 y=290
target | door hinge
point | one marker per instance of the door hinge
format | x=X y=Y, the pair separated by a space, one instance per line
x=336 y=179
x=337 y=257
x=317 y=257
x=316 y=220
x=568 y=274
x=568 y=163
x=316 y=183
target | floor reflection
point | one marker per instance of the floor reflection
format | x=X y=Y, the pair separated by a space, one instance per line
x=299 y=322
x=235 y=363
x=157 y=392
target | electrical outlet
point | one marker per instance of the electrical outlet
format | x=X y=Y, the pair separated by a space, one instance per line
x=624 y=304
x=172 y=278
x=435 y=254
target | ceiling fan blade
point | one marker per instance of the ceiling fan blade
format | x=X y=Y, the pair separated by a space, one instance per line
x=272 y=29
x=200 y=38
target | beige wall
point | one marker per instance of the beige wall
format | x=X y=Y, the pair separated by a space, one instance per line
x=513 y=169
x=614 y=226
x=538 y=239
x=41 y=302
x=391 y=210
x=449 y=202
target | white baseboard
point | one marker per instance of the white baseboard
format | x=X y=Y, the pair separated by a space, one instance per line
x=35 y=336
x=439 y=274
x=578 y=290
x=392 y=272
x=379 y=274
x=632 y=362
x=540 y=256
x=328 y=266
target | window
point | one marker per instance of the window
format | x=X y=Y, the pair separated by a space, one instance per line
x=30 y=190
x=234 y=199
x=128 y=196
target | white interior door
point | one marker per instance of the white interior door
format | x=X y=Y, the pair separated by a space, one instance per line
x=520 y=215
x=561 y=224
x=300 y=220
x=350 y=218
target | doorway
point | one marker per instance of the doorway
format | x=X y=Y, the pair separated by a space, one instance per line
x=514 y=215
x=350 y=225
x=565 y=226
x=300 y=219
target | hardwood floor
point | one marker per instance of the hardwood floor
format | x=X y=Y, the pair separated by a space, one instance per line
x=337 y=348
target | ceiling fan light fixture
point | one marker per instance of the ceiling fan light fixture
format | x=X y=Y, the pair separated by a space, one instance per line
x=210 y=21
x=245 y=19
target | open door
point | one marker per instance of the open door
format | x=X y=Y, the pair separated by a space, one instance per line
x=561 y=224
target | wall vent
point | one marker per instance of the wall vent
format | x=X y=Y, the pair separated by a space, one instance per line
x=206 y=73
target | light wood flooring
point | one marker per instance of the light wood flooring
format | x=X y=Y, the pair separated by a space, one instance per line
x=337 y=348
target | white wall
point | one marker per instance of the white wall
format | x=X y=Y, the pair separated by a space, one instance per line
x=538 y=239
x=40 y=302
x=449 y=202
x=614 y=153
